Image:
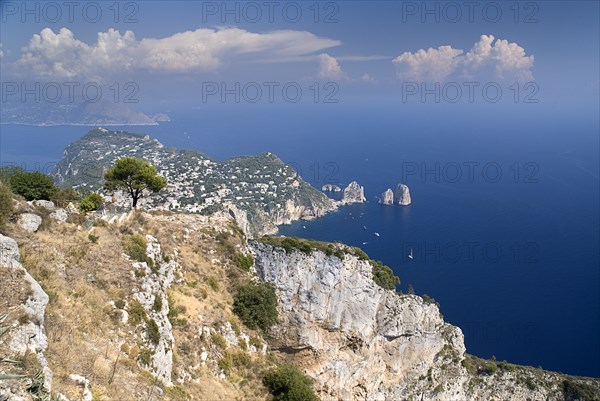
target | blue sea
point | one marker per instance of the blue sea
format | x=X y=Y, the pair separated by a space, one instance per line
x=504 y=224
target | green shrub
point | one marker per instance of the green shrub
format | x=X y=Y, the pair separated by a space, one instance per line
x=245 y=262
x=64 y=196
x=90 y=203
x=384 y=276
x=6 y=204
x=219 y=340
x=137 y=313
x=93 y=238
x=135 y=247
x=157 y=305
x=574 y=391
x=153 y=332
x=287 y=383
x=256 y=305
x=33 y=185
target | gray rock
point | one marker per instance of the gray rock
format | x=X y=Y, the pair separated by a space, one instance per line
x=45 y=204
x=353 y=193
x=387 y=198
x=402 y=195
x=59 y=215
x=331 y=188
x=70 y=209
x=30 y=222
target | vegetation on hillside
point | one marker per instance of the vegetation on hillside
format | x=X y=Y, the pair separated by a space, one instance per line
x=256 y=305
x=134 y=176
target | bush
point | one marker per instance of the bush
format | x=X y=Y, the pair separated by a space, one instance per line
x=135 y=247
x=287 y=383
x=137 y=313
x=93 y=238
x=245 y=262
x=33 y=185
x=6 y=204
x=573 y=391
x=90 y=203
x=153 y=332
x=384 y=276
x=64 y=196
x=256 y=306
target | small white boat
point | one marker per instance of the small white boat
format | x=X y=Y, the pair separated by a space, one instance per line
x=365 y=228
x=304 y=227
x=377 y=234
x=410 y=255
x=365 y=243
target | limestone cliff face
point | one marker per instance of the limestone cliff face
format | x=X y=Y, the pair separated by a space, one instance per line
x=353 y=193
x=257 y=224
x=361 y=342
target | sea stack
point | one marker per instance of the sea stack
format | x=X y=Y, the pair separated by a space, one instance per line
x=400 y=197
x=331 y=188
x=353 y=193
x=387 y=198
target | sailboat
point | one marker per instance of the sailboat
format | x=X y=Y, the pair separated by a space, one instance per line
x=410 y=255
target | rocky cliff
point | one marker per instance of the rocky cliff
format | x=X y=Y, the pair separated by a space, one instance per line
x=85 y=315
x=353 y=193
x=362 y=342
x=387 y=198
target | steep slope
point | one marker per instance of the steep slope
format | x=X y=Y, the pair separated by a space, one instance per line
x=260 y=191
x=362 y=342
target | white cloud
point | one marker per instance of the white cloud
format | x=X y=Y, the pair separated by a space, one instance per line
x=486 y=59
x=367 y=78
x=431 y=65
x=61 y=55
x=329 y=67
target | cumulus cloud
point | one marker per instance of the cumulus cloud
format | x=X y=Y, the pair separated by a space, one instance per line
x=330 y=68
x=61 y=55
x=488 y=58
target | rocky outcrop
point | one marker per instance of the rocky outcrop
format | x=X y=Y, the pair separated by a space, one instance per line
x=154 y=284
x=402 y=195
x=361 y=342
x=399 y=197
x=387 y=198
x=331 y=188
x=30 y=222
x=27 y=300
x=353 y=193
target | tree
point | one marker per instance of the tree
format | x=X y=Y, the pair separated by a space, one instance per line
x=287 y=383
x=90 y=203
x=33 y=185
x=256 y=305
x=133 y=176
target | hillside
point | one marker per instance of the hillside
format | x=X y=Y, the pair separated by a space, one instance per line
x=84 y=317
x=260 y=191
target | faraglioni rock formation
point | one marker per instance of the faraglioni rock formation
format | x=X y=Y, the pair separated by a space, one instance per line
x=387 y=198
x=353 y=193
x=331 y=188
x=400 y=197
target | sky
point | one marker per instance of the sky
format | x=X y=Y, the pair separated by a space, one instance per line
x=194 y=54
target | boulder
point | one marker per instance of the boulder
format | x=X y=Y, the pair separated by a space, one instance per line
x=30 y=222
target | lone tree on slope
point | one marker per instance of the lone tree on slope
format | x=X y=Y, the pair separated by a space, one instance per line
x=134 y=176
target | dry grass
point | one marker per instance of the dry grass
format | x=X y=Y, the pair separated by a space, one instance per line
x=85 y=334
